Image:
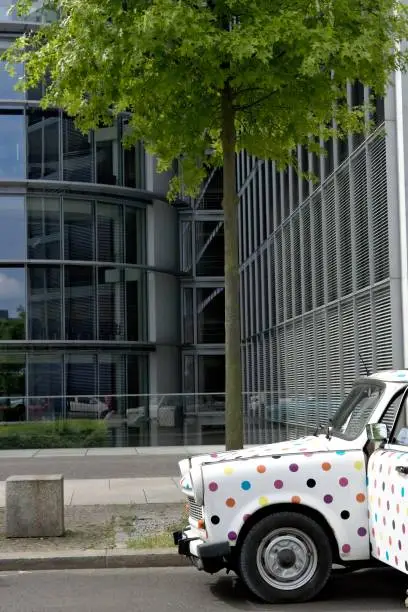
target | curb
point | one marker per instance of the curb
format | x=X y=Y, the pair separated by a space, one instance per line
x=91 y=559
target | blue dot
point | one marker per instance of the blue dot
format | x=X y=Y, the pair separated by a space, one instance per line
x=340 y=452
x=376 y=518
x=387 y=556
x=403 y=492
x=367 y=481
x=246 y=485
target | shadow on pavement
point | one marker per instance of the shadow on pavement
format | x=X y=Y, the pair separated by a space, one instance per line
x=368 y=589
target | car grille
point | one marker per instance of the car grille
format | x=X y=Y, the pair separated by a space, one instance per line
x=195 y=510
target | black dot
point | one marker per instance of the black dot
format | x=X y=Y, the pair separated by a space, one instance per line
x=276 y=456
x=311 y=483
x=383 y=486
x=345 y=515
x=215 y=519
x=393 y=524
x=406 y=565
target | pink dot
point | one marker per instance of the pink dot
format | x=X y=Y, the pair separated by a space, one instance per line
x=278 y=484
x=214 y=455
x=308 y=454
x=346 y=548
x=343 y=482
x=213 y=486
x=294 y=467
x=232 y=536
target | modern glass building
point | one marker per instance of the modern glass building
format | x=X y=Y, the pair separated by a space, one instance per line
x=89 y=278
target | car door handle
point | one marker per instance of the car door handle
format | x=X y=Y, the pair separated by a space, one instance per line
x=402 y=469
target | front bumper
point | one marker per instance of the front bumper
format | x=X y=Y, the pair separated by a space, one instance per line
x=210 y=558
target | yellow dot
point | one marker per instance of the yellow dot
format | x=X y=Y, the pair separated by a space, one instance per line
x=359 y=465
x=263 y=501
x=228 y=470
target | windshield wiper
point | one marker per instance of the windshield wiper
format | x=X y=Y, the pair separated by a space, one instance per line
x=329 y=429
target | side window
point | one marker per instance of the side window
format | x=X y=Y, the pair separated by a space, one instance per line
x=400 y=433
x=390 y=412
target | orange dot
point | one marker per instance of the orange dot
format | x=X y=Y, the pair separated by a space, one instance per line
x=295 y=499
x=230 y=502
x=326 y=467
x=360 y=497
x=261 y=469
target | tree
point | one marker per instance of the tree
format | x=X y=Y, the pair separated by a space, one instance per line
x=220 y=76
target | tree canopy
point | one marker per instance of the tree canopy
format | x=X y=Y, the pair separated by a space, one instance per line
x=166 y=62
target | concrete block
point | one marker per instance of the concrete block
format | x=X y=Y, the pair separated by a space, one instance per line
x=35 y=506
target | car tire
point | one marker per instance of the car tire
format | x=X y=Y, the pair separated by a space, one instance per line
x=286 y=558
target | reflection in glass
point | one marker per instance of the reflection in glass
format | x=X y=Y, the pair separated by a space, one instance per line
x=43 y=144
x=79 y=303
x=45 y=386
x=36 y=13
x=77 y=153
x=8 y=82
x=12 y=144
x=12 y=228
x=188 y=316
x=44 y=233
x=12 y=387
x=112 y=381
x=135 y=304
x=135 y=235
x=12 y=304
x=211 y=373
x=78 y=230
x=110 y=232
x=80 y=373
x=107 y=155
x=188 y=374
x=44 y=303
x=210 y=316
x=110 y=304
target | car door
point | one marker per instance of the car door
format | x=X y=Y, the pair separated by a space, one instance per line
x=388 y=495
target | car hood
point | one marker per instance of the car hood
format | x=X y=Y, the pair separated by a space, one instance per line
x=309 y=444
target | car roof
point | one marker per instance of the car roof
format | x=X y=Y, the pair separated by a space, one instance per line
x=395 y=376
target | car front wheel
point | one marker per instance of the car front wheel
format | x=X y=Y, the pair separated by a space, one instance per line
x=286 y=558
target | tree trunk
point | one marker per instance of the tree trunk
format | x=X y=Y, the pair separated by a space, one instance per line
x=233 y=385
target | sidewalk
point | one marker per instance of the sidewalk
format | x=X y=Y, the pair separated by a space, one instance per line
x=141 y=451
x=117 y=491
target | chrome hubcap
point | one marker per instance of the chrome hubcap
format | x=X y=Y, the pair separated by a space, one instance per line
x=287 y=559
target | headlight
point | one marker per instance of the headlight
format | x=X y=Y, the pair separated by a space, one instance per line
x=198 y=484
x=184 y=467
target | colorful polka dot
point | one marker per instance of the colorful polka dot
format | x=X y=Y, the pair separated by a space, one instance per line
x=346 y=548
x=326 y=467
x=230 y=503
x=278 y=484
x=402 y=491
x=343 y=482
x=296 y=499
x=362 y=531
x=358 y=465
x=360 y=498
x=311 y=483
x=246 y=485
x=345 y=515
x=328 y=499
x=215 y=519
x=263 y=501
x=232 y=536
x=294 y=467
x=261 y=469
x=340 y=452
x=228 y=470
x=276 y=456
x=213 y=486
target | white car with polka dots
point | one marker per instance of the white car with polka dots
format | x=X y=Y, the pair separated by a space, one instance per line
x=281 y=515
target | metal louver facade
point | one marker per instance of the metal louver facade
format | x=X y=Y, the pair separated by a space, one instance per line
x=316 y=302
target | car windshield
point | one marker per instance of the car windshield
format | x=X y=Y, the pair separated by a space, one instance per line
x=356 y=410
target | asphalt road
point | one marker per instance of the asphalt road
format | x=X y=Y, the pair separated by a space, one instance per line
x=183 y=590
x=74 y=468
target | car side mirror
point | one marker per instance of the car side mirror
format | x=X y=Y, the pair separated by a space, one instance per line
x=377 y=432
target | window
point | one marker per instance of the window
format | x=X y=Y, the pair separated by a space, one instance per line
x=77 y=156
x=211 y=373
x=110 y=232
x=210 y=315
x=8 y=82
x=78 y=230
x=12 y=304
x=110 y=304
x=12 y=145
x=400 y=433
x=43 y=144
x=107 y=155
x=135 y=306
x=43 y=228
x=188 y=316
x=79 y=303
x=45 y=386
x=209 y=248
x=354 y=413
x=44 y=303
x=135 y=235
x=12 y=387
x=12 y=228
